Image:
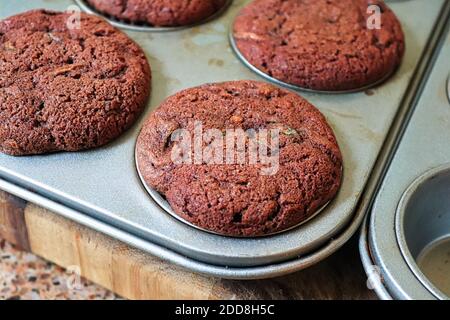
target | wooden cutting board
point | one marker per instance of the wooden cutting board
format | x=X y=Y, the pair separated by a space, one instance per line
x=134 y=274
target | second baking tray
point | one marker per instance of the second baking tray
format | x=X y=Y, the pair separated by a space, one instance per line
x=101 y=188
x=423 y=151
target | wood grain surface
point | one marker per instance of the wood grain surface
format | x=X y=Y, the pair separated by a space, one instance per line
x=12 y=224
x=134 y=274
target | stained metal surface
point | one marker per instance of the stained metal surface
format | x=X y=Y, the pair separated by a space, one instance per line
x=101 y=188
x=424 y=146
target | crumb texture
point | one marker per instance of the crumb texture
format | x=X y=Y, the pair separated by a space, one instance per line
x=320 y=44
x=64 y=89
x=236 y=199
x=159 y=13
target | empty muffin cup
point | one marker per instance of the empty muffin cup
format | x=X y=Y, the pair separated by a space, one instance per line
x=423 y=230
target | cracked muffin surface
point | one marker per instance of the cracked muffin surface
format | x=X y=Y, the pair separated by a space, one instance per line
x=236 y=198
x=159 y=13
x=64 y=88
x=320 y=44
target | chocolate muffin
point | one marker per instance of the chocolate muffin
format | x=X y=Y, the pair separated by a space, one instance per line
x=64 y=88
x=320 y=44
x=159 y=13
x=233 y=195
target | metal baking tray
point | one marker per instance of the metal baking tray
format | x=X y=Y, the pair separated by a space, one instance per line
x=101 y=189
x=416 y=180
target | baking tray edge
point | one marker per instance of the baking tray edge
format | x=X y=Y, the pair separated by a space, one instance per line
x=392 y=143
x=249 y=273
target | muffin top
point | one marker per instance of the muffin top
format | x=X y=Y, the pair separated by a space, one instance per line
x=67 y=85
x=327 y=45
x=201 y=149
x=159 y=13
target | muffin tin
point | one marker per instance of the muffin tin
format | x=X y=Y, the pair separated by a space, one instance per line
x=407 y=235
x=101 y=188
